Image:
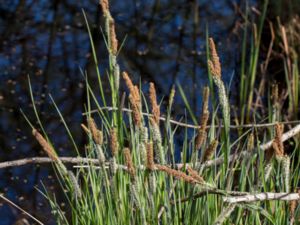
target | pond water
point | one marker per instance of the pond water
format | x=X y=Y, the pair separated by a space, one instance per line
x=48 y=42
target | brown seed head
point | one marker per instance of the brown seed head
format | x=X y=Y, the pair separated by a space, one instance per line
x=195 y=175
x=176 y=173
x=150 y=160
x=214 y=63
x=154 y=105
x=277 y=143
x=129 y=163
x=210 y=150
x=200 y=138
x=113 y=37
x=96 y=133
x=114 y=144
x=45 y=145
x=269 y=153
x=201 y=133
x=293 y=206
x=205 y=99
x=134 y=91
x=105 y=6
x=134 y=99
x=203 y=120
x=137 y=118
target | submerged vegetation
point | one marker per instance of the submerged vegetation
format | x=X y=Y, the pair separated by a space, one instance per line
x=233 y=170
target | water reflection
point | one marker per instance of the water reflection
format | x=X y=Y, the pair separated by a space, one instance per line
x=47 y=40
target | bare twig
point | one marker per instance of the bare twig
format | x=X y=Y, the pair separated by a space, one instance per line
x=108 y=108
x=42 y=160
x=262 y=197
x=210 y=191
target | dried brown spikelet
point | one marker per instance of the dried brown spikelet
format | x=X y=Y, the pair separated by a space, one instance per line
x=154 y=105
x=96 y=133
x=176 y=173
x=195 y=175
x=129 y=163
x=269 y=153
x=214 y=63
x=45 y=145
x=113 y=37
x=277 y=143
x=137 y=118
x=114 y=144
x=201 y=134
x=200 y=138
x=292 y=206
x=204 y=119
x=134 y=99
x=150 y=159
x=134 y=91
x=105 y=6
x=210 y=150
x=205 y=99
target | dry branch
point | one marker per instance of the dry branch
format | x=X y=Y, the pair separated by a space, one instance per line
x=262 y=197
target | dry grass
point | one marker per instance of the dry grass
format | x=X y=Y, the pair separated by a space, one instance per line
x=96 y=133
x=153 y=102
x=114 y=144
x=45 y=145
x=134 y=99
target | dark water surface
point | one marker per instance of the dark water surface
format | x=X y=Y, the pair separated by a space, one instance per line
x=48 y=41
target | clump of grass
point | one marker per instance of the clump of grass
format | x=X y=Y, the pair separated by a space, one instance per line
x=145 y=175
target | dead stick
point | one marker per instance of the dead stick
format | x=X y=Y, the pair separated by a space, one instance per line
x=42 y=160
x=262 y=197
